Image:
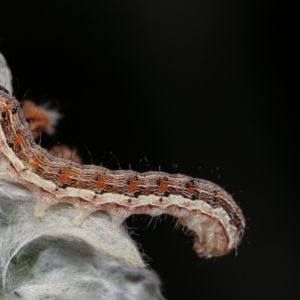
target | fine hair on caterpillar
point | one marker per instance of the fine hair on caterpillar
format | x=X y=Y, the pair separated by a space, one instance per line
x=201 y=206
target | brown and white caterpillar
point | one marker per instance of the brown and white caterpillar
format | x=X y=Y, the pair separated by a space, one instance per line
x=201 y=206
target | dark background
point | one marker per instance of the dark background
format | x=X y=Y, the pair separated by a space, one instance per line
x=203 y=88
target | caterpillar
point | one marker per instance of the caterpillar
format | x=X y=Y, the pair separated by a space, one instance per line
x=202 y=206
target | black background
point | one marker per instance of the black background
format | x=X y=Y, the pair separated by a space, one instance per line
x=203 y=88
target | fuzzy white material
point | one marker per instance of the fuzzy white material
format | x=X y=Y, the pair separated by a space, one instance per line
x=5 y=75
x=50 y=258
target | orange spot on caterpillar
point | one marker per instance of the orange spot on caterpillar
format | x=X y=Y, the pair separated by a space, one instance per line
x=191 y=190
x=17 y=139
x=64 y=177
x=133 y=187
x=34 y=164
x=162 y=187
x=100 y=184
x=216 y=197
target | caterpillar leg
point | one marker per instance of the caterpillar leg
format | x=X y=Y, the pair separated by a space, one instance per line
x=40 y=209
x=116 y=221
x=79 y=215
